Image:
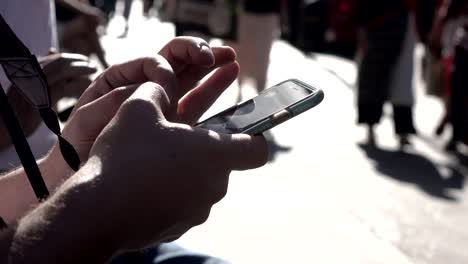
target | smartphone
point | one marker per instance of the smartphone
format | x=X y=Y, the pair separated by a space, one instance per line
x=271 y=107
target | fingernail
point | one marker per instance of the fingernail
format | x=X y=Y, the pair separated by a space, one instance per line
x=205 y=47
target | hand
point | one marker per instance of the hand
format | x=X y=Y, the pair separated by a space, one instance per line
x=172 y=173
x=68 y=75
x=102 y=99
x=160 y=178
x=159 y=152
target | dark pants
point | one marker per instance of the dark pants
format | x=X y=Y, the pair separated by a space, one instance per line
x=459 y=96
x=384 y=45
x=403 y=120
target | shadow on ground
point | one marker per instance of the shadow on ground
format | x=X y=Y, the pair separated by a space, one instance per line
x=332 y=71
x=274 y=148
x=416 y=169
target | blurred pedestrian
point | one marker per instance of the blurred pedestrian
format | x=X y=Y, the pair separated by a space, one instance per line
x=386 y=69
x=126 y=15
x=257 y=24
x=77 y=24
x=455 y=53
x=148 y=4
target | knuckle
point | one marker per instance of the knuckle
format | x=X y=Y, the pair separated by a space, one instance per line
x=109 y=70
x=151 y=60
x=219 y=186
x=145 y=100
x=79 y=119
x=158 y=69
x=220 y=194
x=202 y=217
x=81 y=111
x=157 y=93
x=154 y=60
x=119 y=95
x=137 y=105
x=159 y=62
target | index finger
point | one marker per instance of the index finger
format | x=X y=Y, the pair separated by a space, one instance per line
x=153 y=69
x=184 y=51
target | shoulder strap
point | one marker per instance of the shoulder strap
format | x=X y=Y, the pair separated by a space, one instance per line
x=2 y=224
x=23 y=70
x=22 y=147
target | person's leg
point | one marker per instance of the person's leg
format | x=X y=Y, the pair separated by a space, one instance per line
x=370 y=101
x=147 y=5
x=255 y=39
x=127 y=9
x=383 y=45
x=79 y=36
x=403 y=120
x=370 y=115
x=401 y=84
x=459 y=95
x=96 y=47
x=126 y=15
x=265 y=28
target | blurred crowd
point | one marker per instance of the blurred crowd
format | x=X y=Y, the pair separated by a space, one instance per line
x=379 y=35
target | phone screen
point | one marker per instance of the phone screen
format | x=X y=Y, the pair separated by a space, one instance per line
x=269 y=102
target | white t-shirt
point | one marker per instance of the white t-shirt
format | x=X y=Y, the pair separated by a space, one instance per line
x=33 y=21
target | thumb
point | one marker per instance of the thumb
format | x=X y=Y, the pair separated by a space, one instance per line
x=149 y=101
x=155 y=69
x=244 y=152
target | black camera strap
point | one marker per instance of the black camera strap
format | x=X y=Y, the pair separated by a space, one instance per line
x=2 y=224
x=22 y=148
x=25 y=73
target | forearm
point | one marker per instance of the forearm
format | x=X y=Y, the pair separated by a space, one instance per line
x=15 y=188
x=67 y=228
x=27 y=116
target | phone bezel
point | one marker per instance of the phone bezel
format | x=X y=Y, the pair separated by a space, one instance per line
x=294 y=109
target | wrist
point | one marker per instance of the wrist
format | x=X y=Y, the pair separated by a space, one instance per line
x=54 y=168
x=73 y=226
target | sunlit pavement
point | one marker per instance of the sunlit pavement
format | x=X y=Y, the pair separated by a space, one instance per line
x=325 y=197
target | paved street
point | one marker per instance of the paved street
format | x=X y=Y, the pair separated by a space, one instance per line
x=324 y=197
